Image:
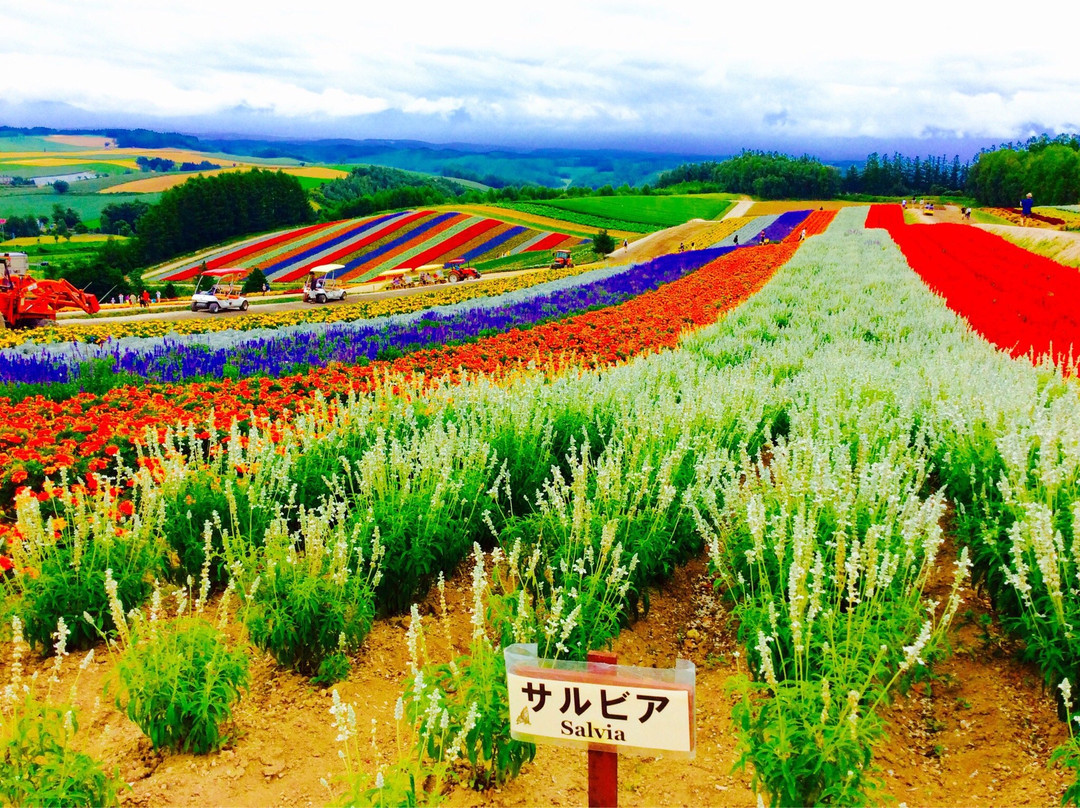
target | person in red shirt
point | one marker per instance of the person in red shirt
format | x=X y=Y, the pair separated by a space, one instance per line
x=145 y=299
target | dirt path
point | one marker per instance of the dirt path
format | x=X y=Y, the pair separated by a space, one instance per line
x=740 y=208
x=976 y=733
x=951 y=214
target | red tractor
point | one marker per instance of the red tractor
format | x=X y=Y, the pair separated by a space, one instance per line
x=561 y=258
x=26 y=302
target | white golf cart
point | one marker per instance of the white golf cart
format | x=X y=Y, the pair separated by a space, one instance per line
x=321 y=287
x=225 y=294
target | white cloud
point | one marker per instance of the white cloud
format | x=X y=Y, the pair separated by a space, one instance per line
x=827 y=70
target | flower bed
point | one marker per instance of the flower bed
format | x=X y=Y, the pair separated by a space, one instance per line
x=1019 y=301
x=81 y=433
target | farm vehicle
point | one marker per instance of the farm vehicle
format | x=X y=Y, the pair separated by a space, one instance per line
x=26 y=301
x=458 y=269
x=321 y=286
x=453 y=271
x=225 y=294
x=561 y=258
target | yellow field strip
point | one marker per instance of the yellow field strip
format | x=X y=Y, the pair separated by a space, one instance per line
x=783 y=206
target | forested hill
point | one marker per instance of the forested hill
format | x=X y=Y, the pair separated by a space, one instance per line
x=490 y=165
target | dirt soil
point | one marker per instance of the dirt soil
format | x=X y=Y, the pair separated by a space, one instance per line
x=950 y=214
x=979 y=732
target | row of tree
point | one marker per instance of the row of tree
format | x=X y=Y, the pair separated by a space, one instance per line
x=372 y=189
x=163 y=164
x=1048 y=169
x=62 y=222
x=907 y=176
x=765 y=175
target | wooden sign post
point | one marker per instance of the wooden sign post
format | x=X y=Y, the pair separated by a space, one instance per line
x=603 y=708
x=603 y=765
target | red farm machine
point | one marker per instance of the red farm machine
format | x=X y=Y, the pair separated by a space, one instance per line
x=561 y=259
x=25 y=301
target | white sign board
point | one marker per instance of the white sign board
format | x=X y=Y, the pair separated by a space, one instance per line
x=598 y=706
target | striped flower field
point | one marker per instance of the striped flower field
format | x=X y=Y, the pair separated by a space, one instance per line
x=842 y=442
x=369 y=247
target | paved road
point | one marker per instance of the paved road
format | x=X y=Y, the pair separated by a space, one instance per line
x=269 y=308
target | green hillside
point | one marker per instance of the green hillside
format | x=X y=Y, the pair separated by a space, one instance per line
x=40 y=201
x=664 y=211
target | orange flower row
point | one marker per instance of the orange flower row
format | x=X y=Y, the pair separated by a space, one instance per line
x=84 y=433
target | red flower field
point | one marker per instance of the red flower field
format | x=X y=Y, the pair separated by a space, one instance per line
x=1021 y=302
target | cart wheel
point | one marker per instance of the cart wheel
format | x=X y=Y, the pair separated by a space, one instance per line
x=344 y=295
x=194 y=306
x=320 y=298
x=244 y=306
x=213 y=308
x=453 y=277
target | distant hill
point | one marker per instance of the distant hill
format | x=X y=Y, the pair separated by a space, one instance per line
x=489 y=165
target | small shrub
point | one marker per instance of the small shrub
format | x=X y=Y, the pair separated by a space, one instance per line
x=311 y=607
x=38 y=765
x=64 y=558
x=179 y=684
x=38 y=762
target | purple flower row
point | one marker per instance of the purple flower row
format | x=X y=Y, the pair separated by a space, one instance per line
x=357 y=342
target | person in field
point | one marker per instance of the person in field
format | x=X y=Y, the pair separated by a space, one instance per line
x=1026 y=205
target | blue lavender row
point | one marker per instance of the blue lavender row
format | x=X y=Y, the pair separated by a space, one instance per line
x=784 y=225
x=75 y=353
x=352 y=343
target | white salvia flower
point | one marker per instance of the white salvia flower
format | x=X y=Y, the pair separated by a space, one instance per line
x=853 y=711
x=379 y=781
x=826 y=700
x=181 y=599
x=912 y=653
x=479 y=586
x=116 y=610
x=1066 y=694
x=411 y=638
x=765 y=653
x=17 y=650
x=61 y=634
x=59 y=647
x=458 y=744
x=607 y=537
x=399 y=709
x=433 y=710
x=344 y=718
x=155 y=602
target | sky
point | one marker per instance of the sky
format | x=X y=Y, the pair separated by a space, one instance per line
x=835 y=79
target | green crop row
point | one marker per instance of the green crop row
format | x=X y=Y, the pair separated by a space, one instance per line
x=575 y=217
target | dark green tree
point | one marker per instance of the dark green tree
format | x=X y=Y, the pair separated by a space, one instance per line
x=603 y=243
x=253 y=282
